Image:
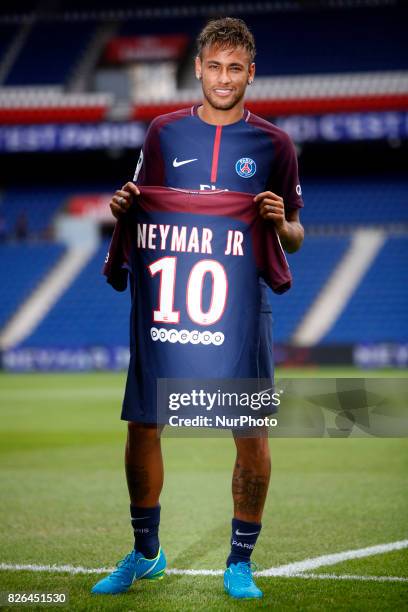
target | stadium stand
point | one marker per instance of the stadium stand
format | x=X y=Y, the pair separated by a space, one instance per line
x=320 y=254
x=355 y=200
x=38 y=206
x=357 y=58
x=49 y=55
x=139 y=27
x=90 y=313
x=49 y=105
x=330 y=41
x=7 y=33
x=22 y=267
x=378 y=310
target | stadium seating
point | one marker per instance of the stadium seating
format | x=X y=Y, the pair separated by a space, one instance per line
x=22 y=267
x=310 y=270
x=312 y=42
x=50 y=53
x=304 y=42
x=350 y=201
x=37 y=205
x=378 y=310
x=90 y=313
x=7 y=33
x=330 y=41
x=139 y=27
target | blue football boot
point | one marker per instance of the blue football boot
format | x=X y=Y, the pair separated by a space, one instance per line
x=133 y=567
x=238 y=581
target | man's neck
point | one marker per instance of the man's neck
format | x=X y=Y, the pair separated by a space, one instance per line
x=214 y=116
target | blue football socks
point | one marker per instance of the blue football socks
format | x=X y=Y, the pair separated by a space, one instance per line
x=243 y=540
x=145 y=523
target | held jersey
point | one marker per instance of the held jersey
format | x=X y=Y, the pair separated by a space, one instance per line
x=251 y=155
x=195 y=259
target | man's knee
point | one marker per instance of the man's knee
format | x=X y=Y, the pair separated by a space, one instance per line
x=253 y=449
x=143 y=433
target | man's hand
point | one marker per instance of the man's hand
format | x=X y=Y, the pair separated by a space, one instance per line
x=271 y=207
x=287 y=223
x=123 y=199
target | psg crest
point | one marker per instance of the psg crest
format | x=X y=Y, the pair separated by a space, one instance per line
x=245 y=167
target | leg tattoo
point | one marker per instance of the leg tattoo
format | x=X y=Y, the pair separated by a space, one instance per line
x=249 y=489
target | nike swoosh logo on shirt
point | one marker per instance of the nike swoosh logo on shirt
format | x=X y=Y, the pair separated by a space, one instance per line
x=240 y=533
x=176 y=163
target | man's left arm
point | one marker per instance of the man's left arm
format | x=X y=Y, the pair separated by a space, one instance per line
x=287 y=222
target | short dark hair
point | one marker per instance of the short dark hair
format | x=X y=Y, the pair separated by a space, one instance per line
x=227 y=32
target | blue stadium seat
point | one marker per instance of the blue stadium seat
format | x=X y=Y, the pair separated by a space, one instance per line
x=38 y=205
x=7 y=33
x=350 y=201
x=90 y=313
x=330 y=41
x=160 y=26
x=22 y=267
x=311 y=268
x=378 y=310
x=50 y=53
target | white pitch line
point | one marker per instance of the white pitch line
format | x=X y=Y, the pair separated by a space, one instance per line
x=104 y=570
x=324 y=560
x=194 y=572
x=290 y=570
x=348 y=577
x=68 y=569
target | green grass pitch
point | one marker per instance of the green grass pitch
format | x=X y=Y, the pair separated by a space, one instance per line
x=64 y=501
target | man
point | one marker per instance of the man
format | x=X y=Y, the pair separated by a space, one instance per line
x=215 y=145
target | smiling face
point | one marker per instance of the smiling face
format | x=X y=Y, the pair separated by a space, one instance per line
x=225 y=73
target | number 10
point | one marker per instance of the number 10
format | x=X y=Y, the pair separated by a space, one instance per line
x=166 y=266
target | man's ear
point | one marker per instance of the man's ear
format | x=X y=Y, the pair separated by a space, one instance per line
x=198 y=67
x=251 y=73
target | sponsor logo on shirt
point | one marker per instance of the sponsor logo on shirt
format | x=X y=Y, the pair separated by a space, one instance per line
x=245 y=167
x=177 y=163
x=185 y=336
x=298 y=190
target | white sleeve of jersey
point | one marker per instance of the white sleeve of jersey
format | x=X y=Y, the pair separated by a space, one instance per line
x=138 y=166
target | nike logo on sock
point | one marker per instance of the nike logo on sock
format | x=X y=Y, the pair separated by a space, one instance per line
x=138 y=518
x=240 y=533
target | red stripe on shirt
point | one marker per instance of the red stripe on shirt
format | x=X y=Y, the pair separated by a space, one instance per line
x=216 y=152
